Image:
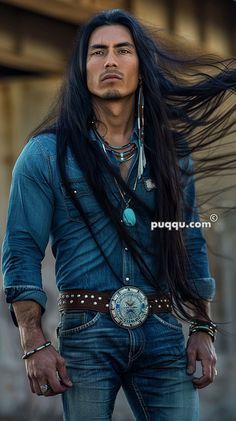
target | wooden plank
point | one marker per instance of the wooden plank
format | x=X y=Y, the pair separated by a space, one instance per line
x=33 y=42
x=69 y=11
x=21 y=62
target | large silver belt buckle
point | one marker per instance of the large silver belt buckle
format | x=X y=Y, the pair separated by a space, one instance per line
x=129 y=307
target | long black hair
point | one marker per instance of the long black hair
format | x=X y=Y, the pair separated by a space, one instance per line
x=183 y=115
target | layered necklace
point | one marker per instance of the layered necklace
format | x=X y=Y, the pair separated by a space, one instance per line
x=125 y=153
x=122 y=153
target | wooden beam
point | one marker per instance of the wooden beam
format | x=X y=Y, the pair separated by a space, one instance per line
x=33 y=42
x=21 y=62
x=69 y=11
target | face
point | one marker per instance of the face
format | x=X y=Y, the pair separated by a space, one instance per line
x=112 y=63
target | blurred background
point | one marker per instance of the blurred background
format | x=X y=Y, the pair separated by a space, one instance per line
x=36 y=37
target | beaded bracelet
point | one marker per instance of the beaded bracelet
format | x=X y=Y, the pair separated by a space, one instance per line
x=209 y=324
x=201 y=326
x=39 y=348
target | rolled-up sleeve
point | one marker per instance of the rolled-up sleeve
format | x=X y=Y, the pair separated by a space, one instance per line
x=198 y=273
x=29 y=219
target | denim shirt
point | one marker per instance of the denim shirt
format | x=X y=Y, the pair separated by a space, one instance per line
x=39 y=208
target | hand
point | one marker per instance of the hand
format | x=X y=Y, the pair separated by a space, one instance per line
x=47 y=367
x=200 y=348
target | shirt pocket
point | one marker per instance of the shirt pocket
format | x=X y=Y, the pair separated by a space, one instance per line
x=84 y=194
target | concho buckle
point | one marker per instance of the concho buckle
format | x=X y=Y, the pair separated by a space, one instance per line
x=129 y=307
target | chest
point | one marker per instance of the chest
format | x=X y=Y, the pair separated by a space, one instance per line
x=124 y=168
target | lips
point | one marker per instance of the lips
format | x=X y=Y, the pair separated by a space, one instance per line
x=111 y=76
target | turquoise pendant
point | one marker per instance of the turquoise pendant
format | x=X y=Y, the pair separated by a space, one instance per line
x=129 y=217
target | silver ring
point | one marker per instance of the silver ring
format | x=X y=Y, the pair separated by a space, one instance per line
x=44 y=388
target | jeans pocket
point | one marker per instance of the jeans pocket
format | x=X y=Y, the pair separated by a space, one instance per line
x=168 y=320
x=75 y=321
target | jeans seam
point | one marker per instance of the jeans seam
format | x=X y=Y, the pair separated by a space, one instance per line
x=170 y=325
x=140 y=351
x=139 y=396
x=67 y=332
x=130 y=349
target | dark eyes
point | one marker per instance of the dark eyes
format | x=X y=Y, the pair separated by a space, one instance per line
x=124 y=51
x=102 y=52
x=97 y=53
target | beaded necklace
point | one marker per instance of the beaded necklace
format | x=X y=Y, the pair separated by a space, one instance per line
x=122 y=153
x=126 y=152
x=128 y=215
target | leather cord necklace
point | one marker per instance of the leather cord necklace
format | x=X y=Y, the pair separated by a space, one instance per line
x=128 y=216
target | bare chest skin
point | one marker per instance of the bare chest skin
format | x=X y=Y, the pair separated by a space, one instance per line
x=124 y=168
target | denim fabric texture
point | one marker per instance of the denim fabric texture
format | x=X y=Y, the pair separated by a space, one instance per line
x=39 y=208
x=149 y=362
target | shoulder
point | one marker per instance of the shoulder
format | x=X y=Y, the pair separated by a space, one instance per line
x=36 y=155
x=44 y=144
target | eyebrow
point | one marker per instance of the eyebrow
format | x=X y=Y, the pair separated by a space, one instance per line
x=103 y=46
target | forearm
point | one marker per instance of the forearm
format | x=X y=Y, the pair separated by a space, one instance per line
x=197 y=314
x=28 y=315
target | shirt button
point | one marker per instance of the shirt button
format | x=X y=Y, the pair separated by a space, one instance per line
x=127 y=278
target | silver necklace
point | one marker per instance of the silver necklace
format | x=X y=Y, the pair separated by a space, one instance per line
x=120 y=153
x=128 y=216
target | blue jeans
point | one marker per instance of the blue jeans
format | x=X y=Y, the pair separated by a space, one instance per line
x=149 y=362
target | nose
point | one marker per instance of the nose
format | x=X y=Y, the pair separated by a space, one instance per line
x=110 y=60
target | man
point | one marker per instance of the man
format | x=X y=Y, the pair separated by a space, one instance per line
x=94 y=179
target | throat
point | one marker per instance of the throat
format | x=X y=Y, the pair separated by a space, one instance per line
x=124 y=169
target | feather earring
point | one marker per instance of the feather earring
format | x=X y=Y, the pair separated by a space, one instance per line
x=142 y=158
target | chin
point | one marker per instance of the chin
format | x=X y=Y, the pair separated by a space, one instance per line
x=111 y=94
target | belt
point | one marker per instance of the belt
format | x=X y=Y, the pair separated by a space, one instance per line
x=128 y=306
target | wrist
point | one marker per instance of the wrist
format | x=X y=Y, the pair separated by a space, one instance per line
x=31 y=338
x=208 y=327
x=33 y=351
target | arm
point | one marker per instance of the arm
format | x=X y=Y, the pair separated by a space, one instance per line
x=30 y=212
x=45 y=366
x=200 y=346
x=31 y=207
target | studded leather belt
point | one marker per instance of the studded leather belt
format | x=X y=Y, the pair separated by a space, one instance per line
x=128 y=306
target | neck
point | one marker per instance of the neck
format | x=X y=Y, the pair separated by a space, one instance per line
x=117 y=117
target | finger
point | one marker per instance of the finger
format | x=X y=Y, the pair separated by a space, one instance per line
x=48 y=392
x=191 y=355
x=36 y=385
x=31 y=385
x=201 y=382
x=62 y=373
x=56 y=385
x=207 y=377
